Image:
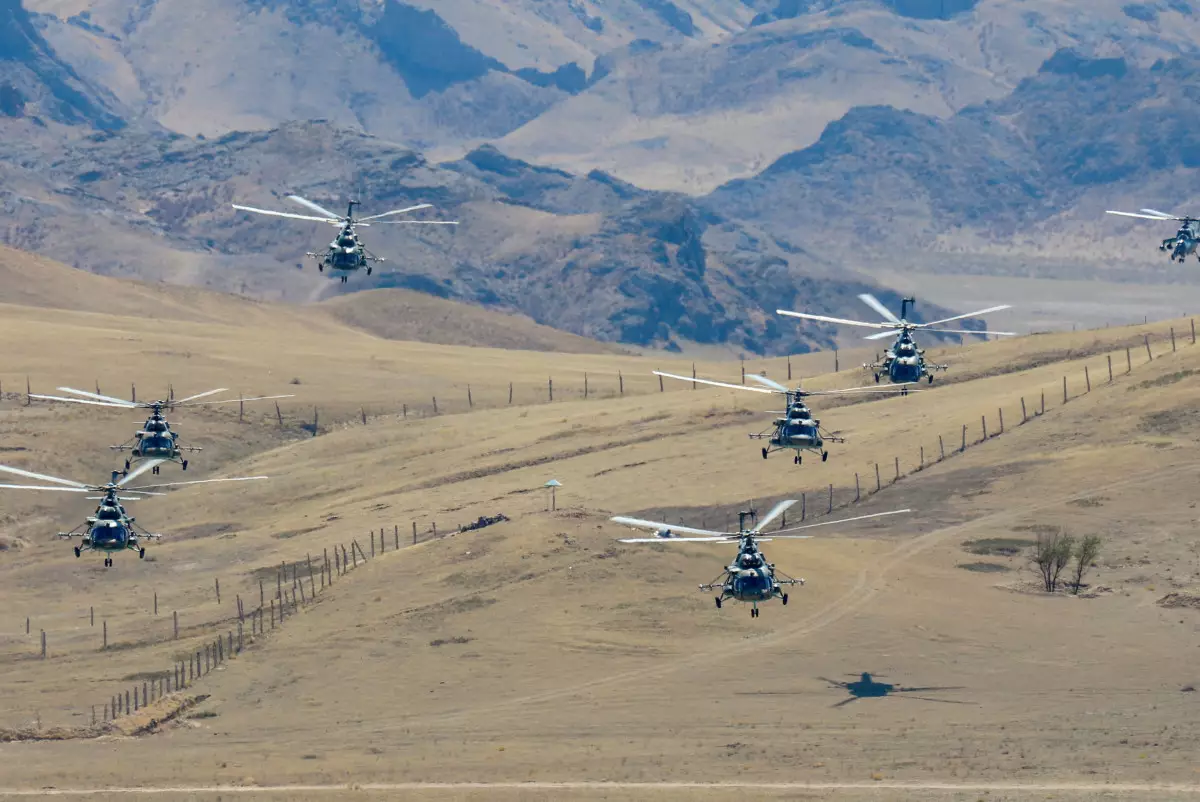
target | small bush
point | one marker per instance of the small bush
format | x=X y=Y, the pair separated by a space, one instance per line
x=998 y=546
x=455 y=639
x=983 y=568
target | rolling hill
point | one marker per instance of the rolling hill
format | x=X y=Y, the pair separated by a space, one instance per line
x=1026 y=682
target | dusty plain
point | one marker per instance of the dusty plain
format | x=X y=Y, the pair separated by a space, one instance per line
x=540 y=658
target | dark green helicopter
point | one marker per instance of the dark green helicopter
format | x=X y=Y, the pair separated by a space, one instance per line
x=749 y=577
x=904 y=362
x=110 y=529
x=347 y=253
x=156 y=440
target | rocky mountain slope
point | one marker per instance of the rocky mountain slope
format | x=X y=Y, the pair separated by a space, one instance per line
x=587 y=254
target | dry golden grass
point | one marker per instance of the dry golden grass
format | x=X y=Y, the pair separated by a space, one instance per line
x=543 y=650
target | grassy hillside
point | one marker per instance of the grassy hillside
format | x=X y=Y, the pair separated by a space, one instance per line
x=441 y=652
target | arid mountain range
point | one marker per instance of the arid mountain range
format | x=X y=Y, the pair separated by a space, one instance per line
x=660 y=173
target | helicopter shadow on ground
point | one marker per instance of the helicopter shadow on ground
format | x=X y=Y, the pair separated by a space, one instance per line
x=868 y=687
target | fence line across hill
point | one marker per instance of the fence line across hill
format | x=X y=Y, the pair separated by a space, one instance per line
x=301 y=583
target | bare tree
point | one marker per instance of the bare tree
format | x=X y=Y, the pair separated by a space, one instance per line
x=1051 y=555
x=1085 y=557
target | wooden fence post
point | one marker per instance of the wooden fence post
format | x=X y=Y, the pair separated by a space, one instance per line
x=1146 y=340
x=435 y=409
x=105 y=636
x=857 y=490
x=789 y=367
x=414 y=523
x=1172 y=339
x=372 y=544
x=396 y=533
x=550 y=387
x=1064 y=389
x=836 y=365
x=660 y=384
x=878 y=484
x=983 y=425
x=897 y=479
x=964 y=438
x=921 y=464
x=278 y=415
x=620 y=382
x=217 y=585
x=1000 y=414
x=1043 y=412
x=803 y=506
x=941 y=448
x=1128 y=360
x=470 y=400
x=272 y=614
x=1023 y=416
x=510 y=384
x=316 y=421
x=1110 y=368
x=156 y=602
x=1193 y=331
x=1087 y=378
x=585 y=384
x=830 y=498
x=362 y=411
x=175 y=616
x=91 y=616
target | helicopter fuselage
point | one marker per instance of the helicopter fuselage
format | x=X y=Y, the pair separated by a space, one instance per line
x=1184 y=243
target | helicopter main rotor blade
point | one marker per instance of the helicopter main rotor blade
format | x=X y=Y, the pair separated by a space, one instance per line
x=883 y=335
x=642 y=524
x=841 y=521
x=970 y=331
x=398 y=211
x=717 y=384
x=1162 y=214
x=236 y=400
x=96 y=396
x=776 y=511
x=1160 y=217
x=142 y=467
x=960 y=317
x=873 y=302
x=763 y=380
x=82 y=401
x=305 y=202
x=892 y=389
x=200 y=395
x=413 y=223
x=678 y=540
x=37 y=487
x=141 y=488
x=839 y=320
x=41 y=477
x=337 y=221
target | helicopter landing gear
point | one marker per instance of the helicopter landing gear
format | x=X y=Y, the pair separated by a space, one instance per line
x=784 y=599
x=797 y=459
x=141 y=554
x=345 y=279
x=185 y=462
x=718 y=601
x=154 y=470
x=754 y=612
x=368 y=271
x=930 y=377
x=320 y=267
x=108 y=562
x=77 y=552
x=877 y=378
x=127 y=465
x=824 y=456
x=764 y=453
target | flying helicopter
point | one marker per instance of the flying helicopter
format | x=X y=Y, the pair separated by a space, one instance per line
x=110 y=529
x=797 y=430
x=749 y=577
x=904 y=362
x=1184 y=243
x=866 y=687
x=156 y=440
x=347 y=253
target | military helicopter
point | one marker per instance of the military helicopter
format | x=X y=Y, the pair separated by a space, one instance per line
x=749 y=578
x=1184 y=243
x=865 y=687
x=110 y=529
x=797 y=430
x=156 y=440
x=904 y=362
x=346 y=253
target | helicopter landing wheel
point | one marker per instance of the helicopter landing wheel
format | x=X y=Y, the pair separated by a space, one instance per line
x=824 y=456
x=754 y=612
x=77 y=551
x=797 y=460
x=141 y=554
x=930 y=377
x=877 y=378
x=185 y=462
x=764 y=453
x=784 y=600
x=155 y=471
x=108 y=562
x=127 y=465
x=718 y=601
x=320 y=268
x=368 y=271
